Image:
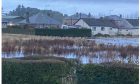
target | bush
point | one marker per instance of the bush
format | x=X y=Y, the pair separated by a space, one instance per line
x=50 y=32
x=64 y=32
x=17 y=30
x=102 y=35
x=29 y=71
x=15 y=26
x=120 y=35
x=128 y=34
x=51 y=70
x=97 y=74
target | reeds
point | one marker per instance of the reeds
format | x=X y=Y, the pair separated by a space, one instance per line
x=67 y=46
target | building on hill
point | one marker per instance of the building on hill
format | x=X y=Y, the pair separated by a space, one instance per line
x=70 y=20
x=41 y=20
x=110 y=26
x=10 y=20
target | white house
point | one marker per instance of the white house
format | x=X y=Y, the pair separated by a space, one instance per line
x=125 y=26
x=108 y=26
x=98 y=26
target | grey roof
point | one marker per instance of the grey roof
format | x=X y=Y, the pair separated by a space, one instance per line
x=40 y=18
x=99 y=22
x=134 y=22
x=10 y=17
x=13 y=19
x=119 y=22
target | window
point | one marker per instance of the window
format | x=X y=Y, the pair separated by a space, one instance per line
x=102 y=28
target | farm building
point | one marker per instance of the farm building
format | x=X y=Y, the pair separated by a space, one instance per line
x=41 y=20
x=112 y=25
x=10 y=20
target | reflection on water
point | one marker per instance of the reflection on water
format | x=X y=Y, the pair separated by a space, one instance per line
x=98 y=57
x=87 y=51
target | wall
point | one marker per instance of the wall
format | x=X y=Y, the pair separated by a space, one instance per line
x=83 y=24
x=129 y=31
x=135 y=31
x=107 y=30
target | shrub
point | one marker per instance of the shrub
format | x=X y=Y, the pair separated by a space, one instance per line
x=128 y=34
x=97 y=74
x=64 y=32
x=50 y=32
x=41 y=71
x=102 y=35
x=120 y=35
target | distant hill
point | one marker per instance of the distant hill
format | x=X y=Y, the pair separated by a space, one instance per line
x=21 y=11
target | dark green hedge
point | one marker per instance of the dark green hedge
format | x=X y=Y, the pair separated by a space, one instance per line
x=50 y=32
x=101 y=35
x=95 y=74
x=33 y=71
x=64 y=32
x=18 y=31
x=27 y=71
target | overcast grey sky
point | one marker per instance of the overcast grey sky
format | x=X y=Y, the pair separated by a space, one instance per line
x=96 y=7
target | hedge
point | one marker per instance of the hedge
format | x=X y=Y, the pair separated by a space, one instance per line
x=18 y=31
x=101 y=35
x=50 y=70
x=37 y=71
x=50 y=32
x=97 y=74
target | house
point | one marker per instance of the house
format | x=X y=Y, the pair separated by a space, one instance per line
x=125 y=26
x=102 y=26
x=135 y=23
x=41 y=20
x=10 y=20
x=111 y=25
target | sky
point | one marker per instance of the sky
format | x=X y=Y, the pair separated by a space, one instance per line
x=95 y=7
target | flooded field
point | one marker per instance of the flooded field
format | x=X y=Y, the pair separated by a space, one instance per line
x=85 y=50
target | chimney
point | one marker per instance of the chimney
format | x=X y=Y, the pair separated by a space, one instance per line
x=80 y=15
x=77 y=14
x=27 y=17
x=89 y=15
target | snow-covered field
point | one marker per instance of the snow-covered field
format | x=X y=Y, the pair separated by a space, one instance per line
x=117 y=41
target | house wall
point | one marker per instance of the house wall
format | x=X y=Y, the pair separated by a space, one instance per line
x=129 y=31
x=83 y=24
x=135 y=31
x=107 y=30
